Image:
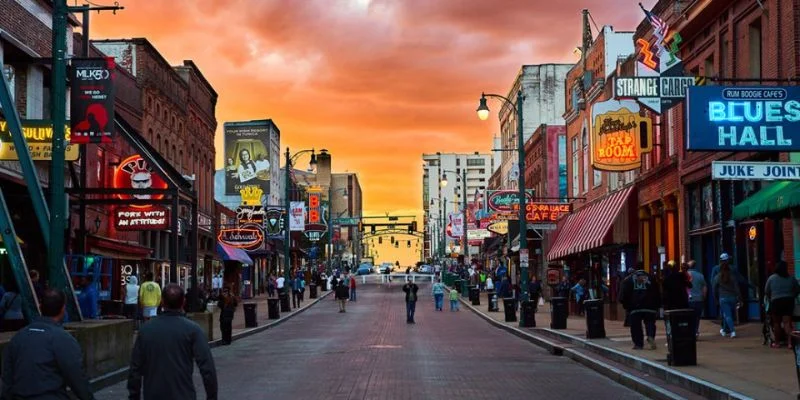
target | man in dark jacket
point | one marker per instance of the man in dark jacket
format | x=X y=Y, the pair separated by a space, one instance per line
x=676 y=286
x=641 y=297
x=43 y=359
x=410 y=288
x=164 y=353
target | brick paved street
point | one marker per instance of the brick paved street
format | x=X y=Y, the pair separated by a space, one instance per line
x=371 y=353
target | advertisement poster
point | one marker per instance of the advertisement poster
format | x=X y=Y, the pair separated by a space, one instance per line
x=39 y=136
x=135 y=173
x=456 y=225
x=247 y=156
x=616 y=141
x=92 y=100
x=297 y=216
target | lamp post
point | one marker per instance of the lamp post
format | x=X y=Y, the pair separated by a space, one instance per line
x=287 y=208
x=331 y=191
x=483 y=114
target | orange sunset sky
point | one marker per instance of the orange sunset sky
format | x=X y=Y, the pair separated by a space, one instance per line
x=376 y=82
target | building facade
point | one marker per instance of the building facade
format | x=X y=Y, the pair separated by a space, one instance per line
x=347 y=240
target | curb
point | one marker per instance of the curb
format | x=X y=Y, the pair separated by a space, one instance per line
x=626 y=379
x=673 y=376
x=121 y=374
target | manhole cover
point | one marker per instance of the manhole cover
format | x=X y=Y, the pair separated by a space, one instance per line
x=385 y=346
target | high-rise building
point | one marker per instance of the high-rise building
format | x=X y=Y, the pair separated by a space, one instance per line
x=437 y=200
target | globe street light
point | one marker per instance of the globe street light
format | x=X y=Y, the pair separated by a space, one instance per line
x=483 y=114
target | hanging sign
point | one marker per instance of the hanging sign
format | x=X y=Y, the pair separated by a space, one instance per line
x=92 y=100
x=617 y=130
x=499 y=227
x=244 y=238
x=755 y=118
x=273 y=223
x=314 y=215
x=546 y=212
x=297 y=216
x=38 y=135
x=135 y=173
x=136 y=219
x=250 y=215
x=457 y=225
x=478 y=234
x=755 y=171
x=506 y=200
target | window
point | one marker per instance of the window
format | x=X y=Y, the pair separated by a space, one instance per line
x=585 y=143
x=482 y=171
x=694 y=212
x=433 y=163
x=8 y=71
x=754 y=49
x=575 y=167
x=708 y=204
x=458 y=161
x=671 y=118
x=723 y=58
x=708 y=66
x=475 y=162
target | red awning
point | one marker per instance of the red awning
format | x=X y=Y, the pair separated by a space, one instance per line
x=113 y=248
x=588 y=228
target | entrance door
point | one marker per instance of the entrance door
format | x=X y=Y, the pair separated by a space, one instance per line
x=755 y=269
x=709 y=256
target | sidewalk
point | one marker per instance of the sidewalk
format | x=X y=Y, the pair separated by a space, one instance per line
x=742 y=364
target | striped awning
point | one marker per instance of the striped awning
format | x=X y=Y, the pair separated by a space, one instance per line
x=590 y=227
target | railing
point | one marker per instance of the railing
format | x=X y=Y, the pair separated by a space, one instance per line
x=383 y=278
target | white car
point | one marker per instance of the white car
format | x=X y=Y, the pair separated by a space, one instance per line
x=425 y=269
x=385 y=269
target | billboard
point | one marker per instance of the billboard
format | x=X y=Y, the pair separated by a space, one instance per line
x=38 y=134
x=247 y=155
x=92 y=100
x=738 y=118
x=619 y=133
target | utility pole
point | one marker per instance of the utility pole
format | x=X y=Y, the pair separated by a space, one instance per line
x=464 y=194
x=55 y=251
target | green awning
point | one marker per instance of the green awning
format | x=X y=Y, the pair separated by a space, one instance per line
x=774 y=199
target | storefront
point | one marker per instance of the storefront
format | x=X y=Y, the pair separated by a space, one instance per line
x=236 y=265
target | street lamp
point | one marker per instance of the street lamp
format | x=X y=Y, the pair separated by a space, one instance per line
x=331 y=191
x=483 y=114
x=287 y=208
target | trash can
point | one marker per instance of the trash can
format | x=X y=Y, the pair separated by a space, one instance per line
x=457 y=285
x=285 y=306
x=559 y=311
x=796 y=347
x=681 y=340
x=595 y=325
x=250 y=315
x=464 y=288
x=527 y=314
x=312 y=291
x=491 y=298
x=273 y=309
x=475 y=295
x=509 y=308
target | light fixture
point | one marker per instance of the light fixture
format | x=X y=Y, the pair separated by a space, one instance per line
x=483 y=109
x=344 y=195
x=312 y=165
x=443 y=181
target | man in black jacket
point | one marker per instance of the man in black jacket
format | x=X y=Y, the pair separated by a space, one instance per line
x=164 y=353
x=641 y=297
x=410 y=288
x=43 y=359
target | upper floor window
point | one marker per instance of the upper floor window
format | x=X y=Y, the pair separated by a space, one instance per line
x=475 y=161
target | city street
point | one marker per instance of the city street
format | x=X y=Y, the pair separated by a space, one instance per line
x=371 y=353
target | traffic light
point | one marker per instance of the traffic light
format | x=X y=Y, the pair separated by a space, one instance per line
x=413 y=227
x=392 y=239
x=380 y=240
x=372 y=229
x=409 y=244
x=397 y=244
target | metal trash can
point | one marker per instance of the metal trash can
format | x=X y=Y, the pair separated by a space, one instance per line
x=312 y=291
x=475 y=295
x=273 y=309
x=595 y=324
x=681 y=340
x=457 y=285
x=510 y=309
x=464 y=288
x=559 y=312
x=250 y=315
x=796 y=347
x=494 y=305
x=527 y=314
x=284 y=297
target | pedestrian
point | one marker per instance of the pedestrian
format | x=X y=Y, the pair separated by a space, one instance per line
x=676 y=288
x=131 y=307
x=728 y=297
x=271 y=286
x=629 y=275
x=38 y=287
x=535 y=291
x=341 y=294
x=149 y=296
x=227 y=310
x=453 y=300
x=504 y=288
x=11 y=312
x=42 y=360
x=302 y=289
x=164 y=354
x=697 y=294
x=89 y=298
x=352 y=282
x=279 y=283
x=563 y=288
x=410 y=289
x=641 y=298
x=437 y=290
x=781 y=290
x=580 y=292
x=294 y=284
x=489 y=283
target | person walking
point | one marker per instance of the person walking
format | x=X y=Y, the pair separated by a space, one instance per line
x=535 y=291
x=89 y=298
x=131 y=307
x=271 y=286
x=563 y=288
x=42 y=360
x=453 y=300
x=164 y=354
x=36 y=281
x=341 y=294
x=227 y=310
x=726 y=292
x=676 y=287
x=437 y=290
x=697 y=294
x=352 y=282
x=628 y=276
x=780 y=291
x=11 y=312
x=642 y=299
x=410 y=288
x=294 y=286
x=580 y=292
x=149 y=297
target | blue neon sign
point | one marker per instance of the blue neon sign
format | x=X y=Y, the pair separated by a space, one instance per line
x=753 y=118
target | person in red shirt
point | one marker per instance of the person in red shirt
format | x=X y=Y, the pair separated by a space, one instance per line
x=352 y=288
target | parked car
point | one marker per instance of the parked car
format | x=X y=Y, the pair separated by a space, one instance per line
x=385 y=268
x=364 y=269
x=425 y=269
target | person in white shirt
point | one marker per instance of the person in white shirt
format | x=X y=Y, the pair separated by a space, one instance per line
x=131 y=298
x=279 y=282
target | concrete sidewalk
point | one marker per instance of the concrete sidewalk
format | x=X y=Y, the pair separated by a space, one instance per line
x=742 y=365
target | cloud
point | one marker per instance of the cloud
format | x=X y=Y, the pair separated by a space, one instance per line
x=376 y=82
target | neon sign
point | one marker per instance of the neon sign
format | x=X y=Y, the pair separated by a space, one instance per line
x=617 y=130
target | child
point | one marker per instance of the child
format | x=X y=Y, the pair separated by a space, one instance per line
x=453 y=300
